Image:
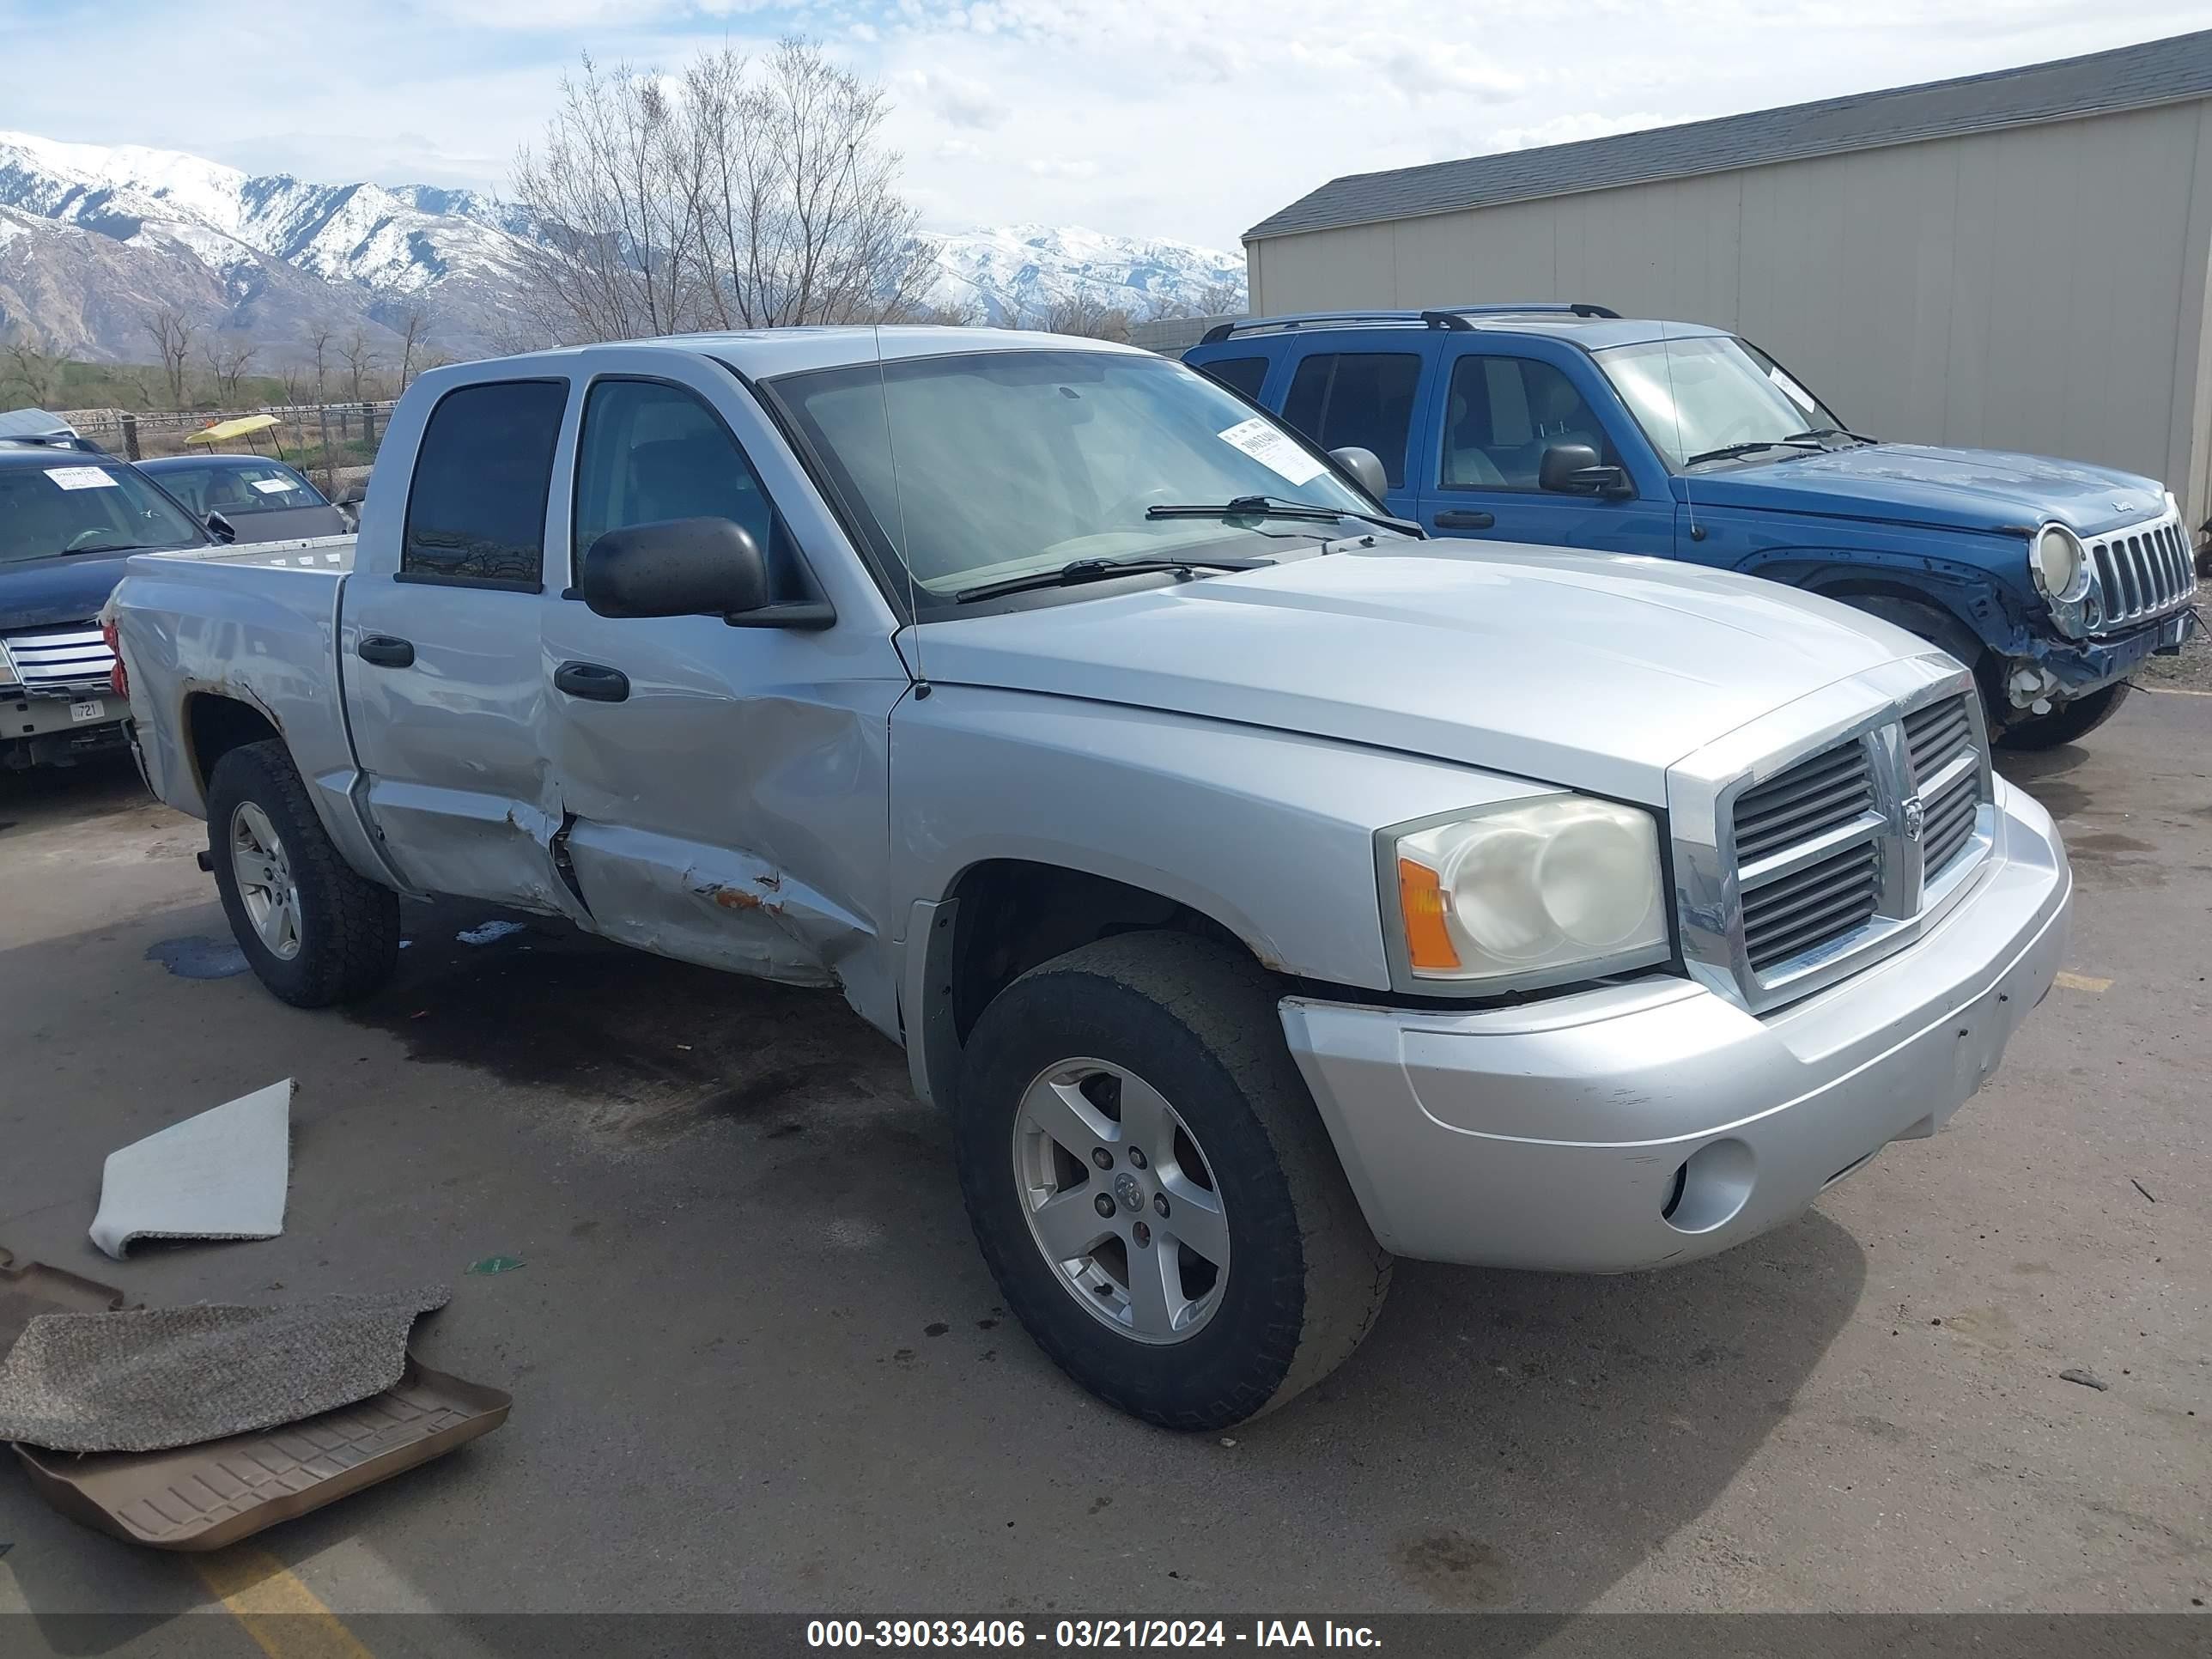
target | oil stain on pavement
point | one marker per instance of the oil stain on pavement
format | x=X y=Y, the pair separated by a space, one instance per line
x=197 y=956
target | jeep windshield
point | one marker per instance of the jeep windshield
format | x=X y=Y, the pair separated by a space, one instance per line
x=1713 y=398
x=1000 y=465
x=71 y=504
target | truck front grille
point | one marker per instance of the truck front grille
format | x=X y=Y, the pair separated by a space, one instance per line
x=1840 y=850
x=2141 y=571
x=1812 y=907
x=71 y=658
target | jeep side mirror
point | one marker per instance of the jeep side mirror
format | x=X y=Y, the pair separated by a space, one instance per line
x=1575 y=469
x=1366 y=466
x=676 y=568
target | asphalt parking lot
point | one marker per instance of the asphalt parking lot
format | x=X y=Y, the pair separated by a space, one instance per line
x=758 y=1363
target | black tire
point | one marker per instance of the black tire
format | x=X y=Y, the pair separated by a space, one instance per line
x=2068 y=723
x=1198 y=1022
x=348 y=927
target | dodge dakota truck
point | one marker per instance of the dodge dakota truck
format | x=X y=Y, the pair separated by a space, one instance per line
x=1264 y=890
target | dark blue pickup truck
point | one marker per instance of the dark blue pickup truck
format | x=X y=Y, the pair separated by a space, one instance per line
x=69 y=521
x=1569 y=426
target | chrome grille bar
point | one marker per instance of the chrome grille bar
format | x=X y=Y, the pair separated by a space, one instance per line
x=2141 y=571
x=60 y=659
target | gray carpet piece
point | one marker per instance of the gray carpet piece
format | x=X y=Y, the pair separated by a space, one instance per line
x=149 y=1379
x=220 y=1175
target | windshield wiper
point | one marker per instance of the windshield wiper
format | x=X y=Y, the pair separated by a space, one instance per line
x=1095 y=570
x=1825 y=431
x=1276 y=506
x=1801 y=443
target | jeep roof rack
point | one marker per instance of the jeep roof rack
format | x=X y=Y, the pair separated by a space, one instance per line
x=1451 y=318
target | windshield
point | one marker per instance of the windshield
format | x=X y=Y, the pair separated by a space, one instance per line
x=231 y=488
x=1709 y=392
x=82 y=507
x=1010 y=463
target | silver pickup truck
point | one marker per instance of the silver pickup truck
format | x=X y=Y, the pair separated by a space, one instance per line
x=1263 y=890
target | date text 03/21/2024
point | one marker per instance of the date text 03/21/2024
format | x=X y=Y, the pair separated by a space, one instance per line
x=1085 y=1633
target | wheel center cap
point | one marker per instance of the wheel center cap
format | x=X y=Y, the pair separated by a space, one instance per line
x=1130 y=1191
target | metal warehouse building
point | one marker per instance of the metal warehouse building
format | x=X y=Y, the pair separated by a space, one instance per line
x=2015 y=261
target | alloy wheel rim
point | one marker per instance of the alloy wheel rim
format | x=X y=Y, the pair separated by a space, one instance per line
x=265 y=883
x=1120 y=1200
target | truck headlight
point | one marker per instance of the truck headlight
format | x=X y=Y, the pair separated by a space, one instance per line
x=1526 y=894
x=2060 y=564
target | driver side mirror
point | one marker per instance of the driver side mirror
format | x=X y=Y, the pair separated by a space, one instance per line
x=1575 y=469
x=221 y=528
x=1365 y=466
x=677 y=568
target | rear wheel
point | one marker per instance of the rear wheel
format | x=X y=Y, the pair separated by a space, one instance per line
x=2069 y=722
x=313 y=931
x=1152 y=1189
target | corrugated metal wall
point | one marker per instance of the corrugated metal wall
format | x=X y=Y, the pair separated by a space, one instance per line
x=2042 y=289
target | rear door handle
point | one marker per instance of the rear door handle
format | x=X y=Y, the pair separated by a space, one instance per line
x=1459 y=518
x=385 y=652
x=594 y=682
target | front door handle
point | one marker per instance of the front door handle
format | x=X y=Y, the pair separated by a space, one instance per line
x=1461 y=518
x=385 y=652
x=594 y=682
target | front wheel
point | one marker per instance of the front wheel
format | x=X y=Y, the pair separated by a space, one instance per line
x=2069 y=722
x=314 y=931
x=1152 y=1189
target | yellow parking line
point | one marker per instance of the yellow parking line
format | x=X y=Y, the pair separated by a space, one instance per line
x=2083 y=983
x=286 y=1619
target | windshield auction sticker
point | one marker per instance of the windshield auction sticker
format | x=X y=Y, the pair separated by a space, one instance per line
x=81 y=477
x=1271 y=448
x=272 y=486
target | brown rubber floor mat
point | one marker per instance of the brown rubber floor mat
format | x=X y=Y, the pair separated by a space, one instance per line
x=205 y=1496
x=35 y=1288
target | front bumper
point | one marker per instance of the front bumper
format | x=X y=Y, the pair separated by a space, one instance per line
x=1551 y=1136
x=2082 y=667
x=46 y=730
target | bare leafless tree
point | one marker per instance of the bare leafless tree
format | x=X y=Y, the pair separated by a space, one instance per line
x=318 y=343
x=172 y=332
x=410 y=326
x=1080 y=313
x=297 y=379
x=736 y=195
x=37 y=372
x=359 y=357
x=610 y=191
x=227 y=357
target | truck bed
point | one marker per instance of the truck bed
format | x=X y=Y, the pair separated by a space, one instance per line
x=257 y=625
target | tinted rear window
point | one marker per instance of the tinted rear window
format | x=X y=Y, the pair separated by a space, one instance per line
x=1239 y=374
x=476 y=512
x=1362 y=398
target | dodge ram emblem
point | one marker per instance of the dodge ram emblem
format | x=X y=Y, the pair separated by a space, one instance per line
x=1916 y=815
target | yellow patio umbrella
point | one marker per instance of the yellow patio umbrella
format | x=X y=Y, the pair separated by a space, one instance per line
x=223 y=431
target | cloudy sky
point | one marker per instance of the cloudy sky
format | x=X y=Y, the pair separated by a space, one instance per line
x=1192 y=119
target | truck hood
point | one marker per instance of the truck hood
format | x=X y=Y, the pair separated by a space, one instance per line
x=1593 y=670
x=68 y=587
x=1981 y=490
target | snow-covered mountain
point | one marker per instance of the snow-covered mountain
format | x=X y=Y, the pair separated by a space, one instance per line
x=1017 y=274
x=95 y=239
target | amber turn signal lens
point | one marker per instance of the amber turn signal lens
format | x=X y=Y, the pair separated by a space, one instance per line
x=1421 y=902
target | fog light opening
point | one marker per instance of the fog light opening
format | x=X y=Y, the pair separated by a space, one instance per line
x=1710 y=1187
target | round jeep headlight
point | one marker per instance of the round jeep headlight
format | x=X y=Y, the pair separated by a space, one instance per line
x=2060 y=564
x=1528 y=893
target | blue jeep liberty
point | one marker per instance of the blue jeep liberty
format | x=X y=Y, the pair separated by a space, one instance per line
x=1571 y=425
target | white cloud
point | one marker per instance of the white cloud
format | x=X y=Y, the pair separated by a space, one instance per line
x=1192 y=119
